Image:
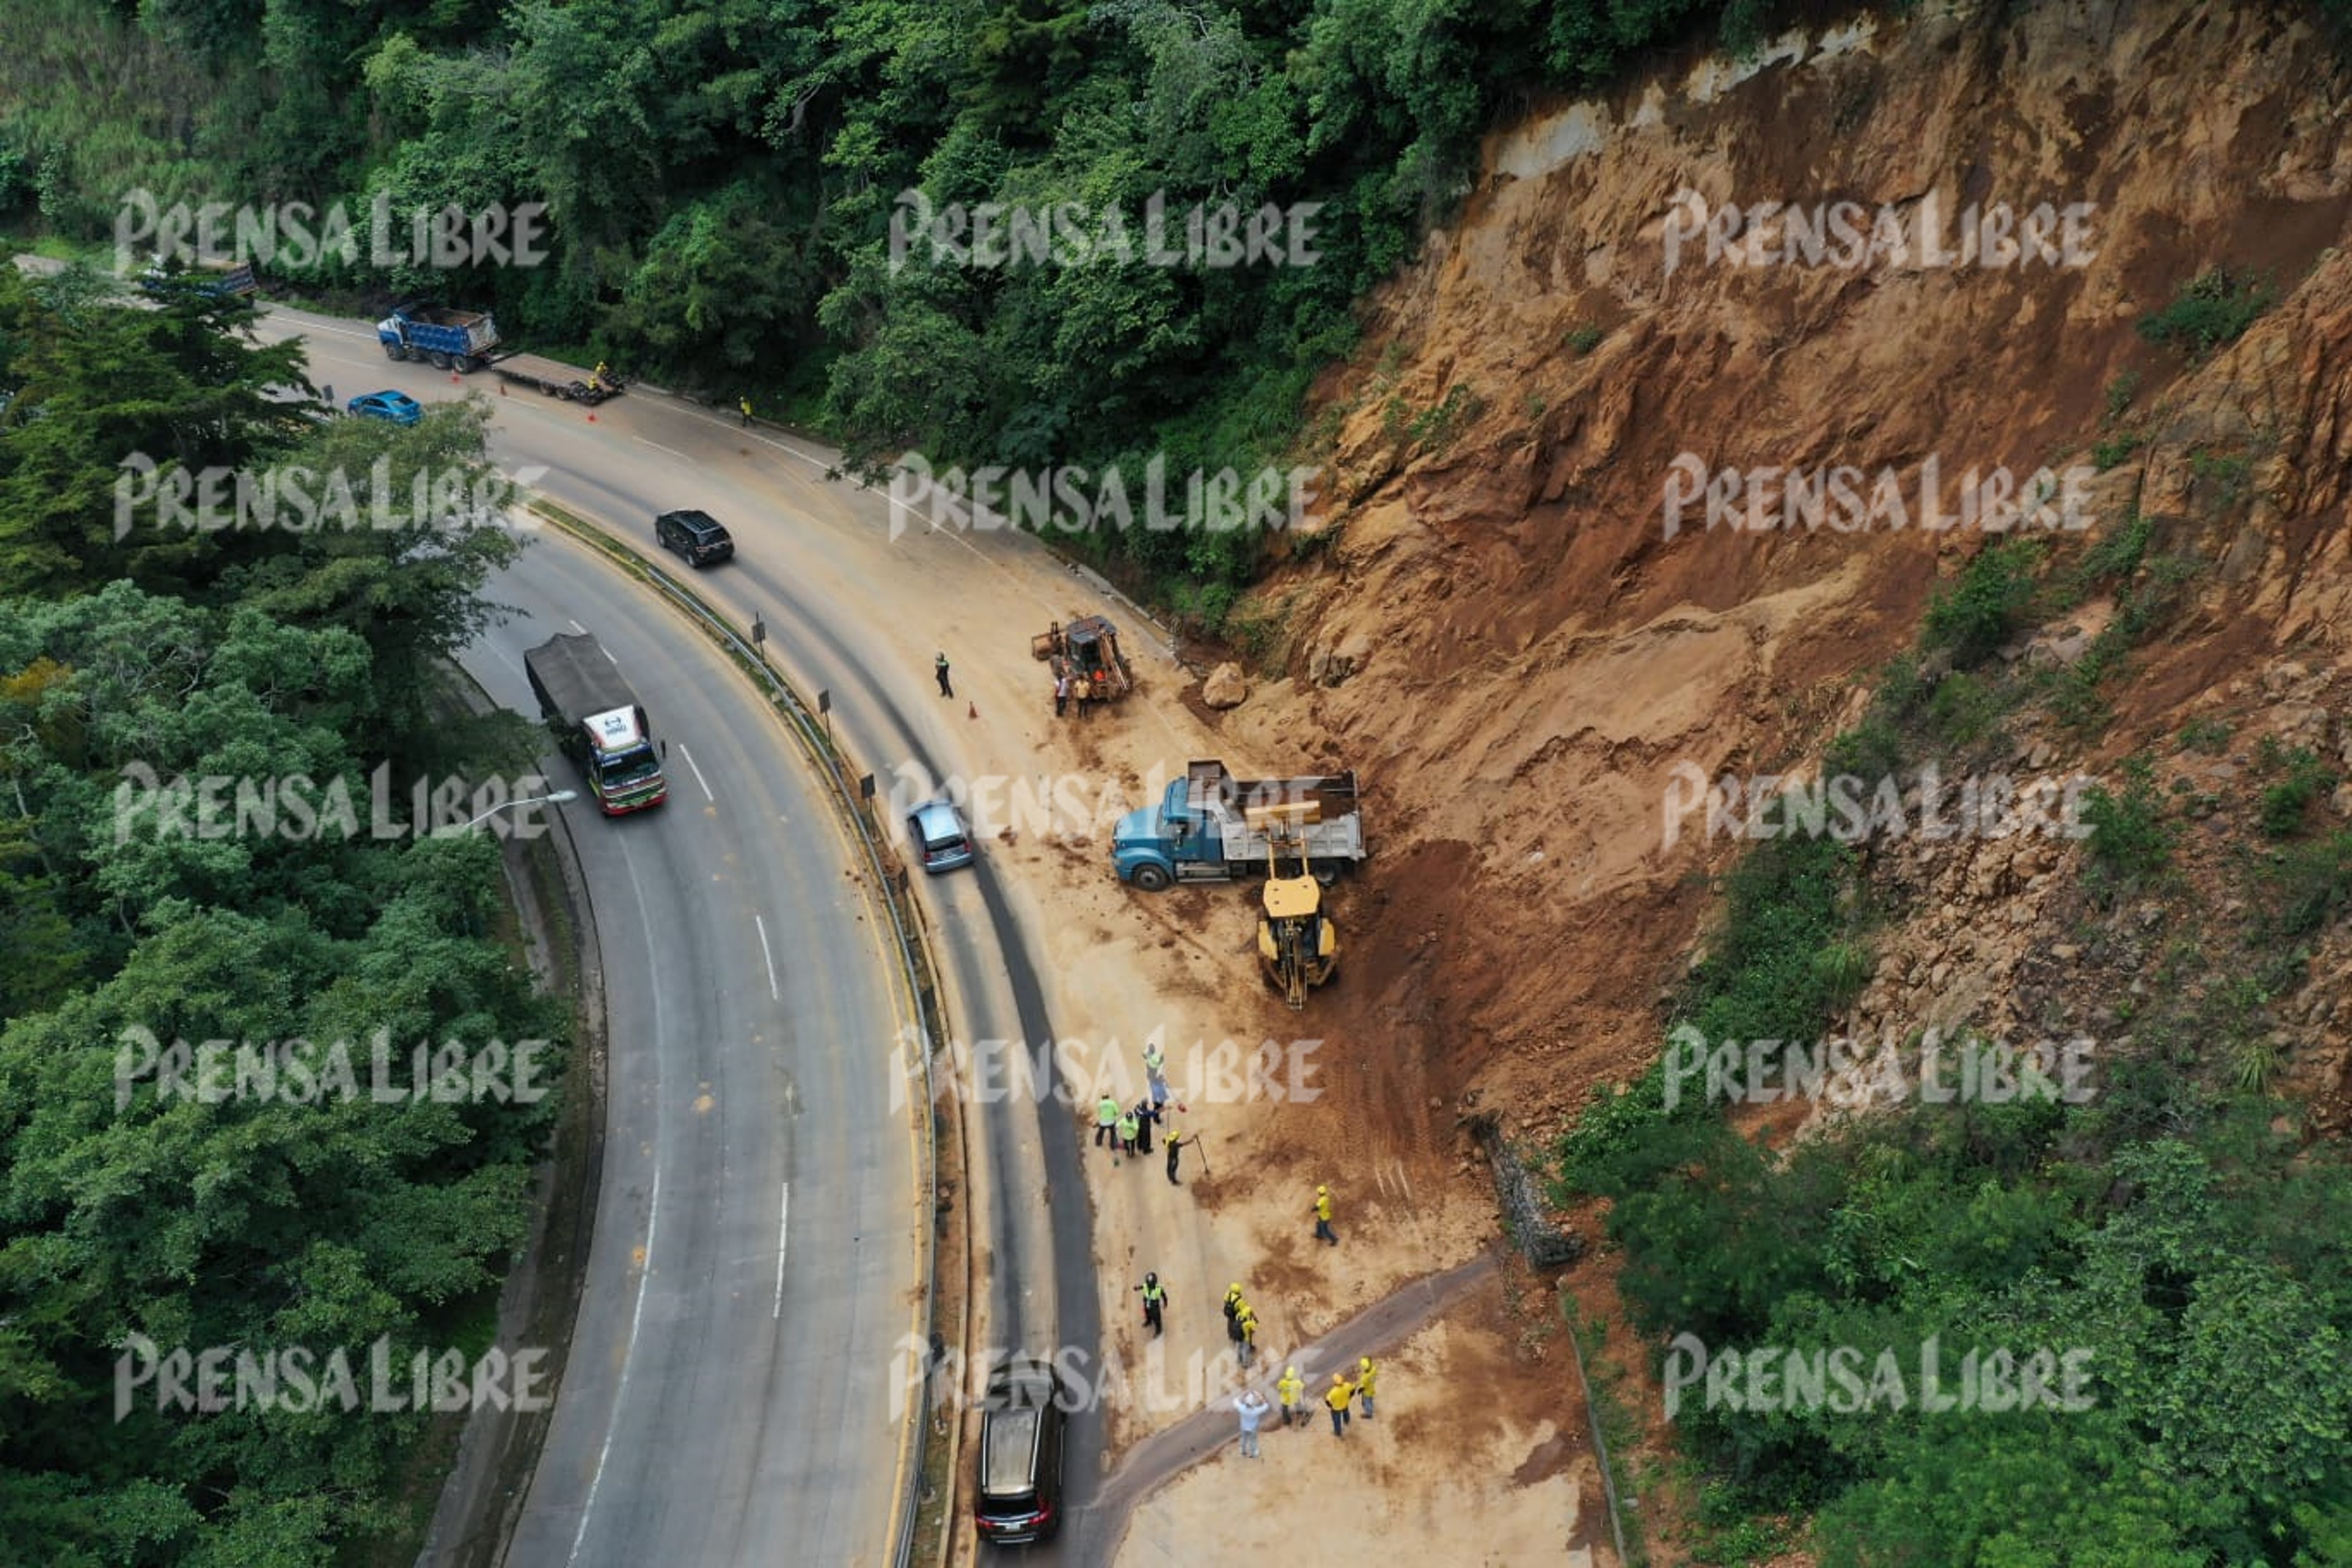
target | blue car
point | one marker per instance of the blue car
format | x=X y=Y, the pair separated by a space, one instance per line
x=397 y=406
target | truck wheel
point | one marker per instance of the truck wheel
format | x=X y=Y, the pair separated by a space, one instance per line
x=395 y=352
x=440 y=360
x=1324 y=875
x=1150 y=878
x=466 y=364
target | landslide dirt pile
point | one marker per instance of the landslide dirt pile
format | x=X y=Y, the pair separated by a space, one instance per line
x=1496 y=629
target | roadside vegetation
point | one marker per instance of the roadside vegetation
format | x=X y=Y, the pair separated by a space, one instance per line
x=2174 y=1226
x=721 y=178
x=256 y=1222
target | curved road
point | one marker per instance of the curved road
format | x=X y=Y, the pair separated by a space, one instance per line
x=722 y=1349
x=685 y=1431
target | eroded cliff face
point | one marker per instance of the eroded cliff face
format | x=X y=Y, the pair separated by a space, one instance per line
x=1499 y=632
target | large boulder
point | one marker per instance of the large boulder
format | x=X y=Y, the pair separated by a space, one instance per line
x=1225 y=687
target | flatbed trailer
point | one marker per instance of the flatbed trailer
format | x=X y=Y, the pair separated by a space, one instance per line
x=545 y=375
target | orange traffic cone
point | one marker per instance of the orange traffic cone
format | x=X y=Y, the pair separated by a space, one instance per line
x=975 y=707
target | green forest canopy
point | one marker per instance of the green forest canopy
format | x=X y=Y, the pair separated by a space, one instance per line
x=719 y=176
x=285 y=1220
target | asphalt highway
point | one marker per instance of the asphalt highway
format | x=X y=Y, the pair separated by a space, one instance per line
x=711 y=1414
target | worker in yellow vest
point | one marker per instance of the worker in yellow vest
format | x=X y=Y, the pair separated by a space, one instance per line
x=1337 y=1399
x=1288 y=1387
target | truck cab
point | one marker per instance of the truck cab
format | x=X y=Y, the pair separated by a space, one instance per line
x=1157 y=845
x=622 y=769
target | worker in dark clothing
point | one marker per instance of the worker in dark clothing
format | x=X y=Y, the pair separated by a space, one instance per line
x=941 y=667
x=1155 y=1299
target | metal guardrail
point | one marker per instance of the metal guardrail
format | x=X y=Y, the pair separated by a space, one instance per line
x=914 y=962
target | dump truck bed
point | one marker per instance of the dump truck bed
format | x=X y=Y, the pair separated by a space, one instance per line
x=1333 y=794
x=574 y=679
x=443 y=316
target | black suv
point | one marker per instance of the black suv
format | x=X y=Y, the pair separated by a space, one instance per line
x=1024 y=1417
x=700 y=538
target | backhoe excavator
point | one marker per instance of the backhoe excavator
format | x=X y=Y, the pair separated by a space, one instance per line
x=1297 y=941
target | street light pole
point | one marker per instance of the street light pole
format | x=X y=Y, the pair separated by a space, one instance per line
x=557 y=799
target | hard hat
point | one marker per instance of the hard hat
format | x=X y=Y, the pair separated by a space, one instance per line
x=1365 y=1361
x=1290 y=1372
x=1322 y=1191
x=1154 y=1279
x=1234 y=1289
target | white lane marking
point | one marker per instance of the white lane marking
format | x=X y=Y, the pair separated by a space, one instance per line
x=653 y=1222
x=783 y=1213
x=774 y=995
x=658 y=447
x=699 y=779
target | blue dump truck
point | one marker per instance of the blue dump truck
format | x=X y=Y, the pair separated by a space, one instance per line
x=230 y=281
x=458 y=340
x=1212 y=827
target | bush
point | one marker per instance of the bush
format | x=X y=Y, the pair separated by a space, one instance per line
x=2213 y=310
x=2129 y=838
x=1981 y=612
x=2286 y=803
x=1965 y=710
x=2106 y=453
x=2209 y=735
x=2305 y=887
x=2120 y=392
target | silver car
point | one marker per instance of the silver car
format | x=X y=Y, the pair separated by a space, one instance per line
x=941 y=841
